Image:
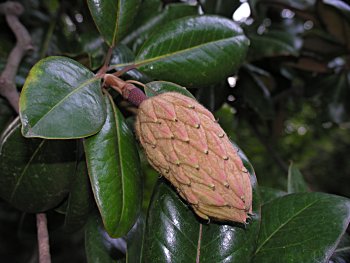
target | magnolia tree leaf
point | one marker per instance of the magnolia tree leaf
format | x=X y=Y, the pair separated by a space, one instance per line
x=174 y=234
x=113 y=18
x=303 y=227
x=135 y=240
x=223 y=8
x=122 y=55
x=255 y=93
x=268 y=194
x=274 y=44
x=213 y=96
x=342 y=252
x=154 y=21
x=61 y=99
x=115 y=175
x=79 y=200
x=194 y=51
x=157 y=87
x=35 y=173
x=296 y=182
x=99 y=247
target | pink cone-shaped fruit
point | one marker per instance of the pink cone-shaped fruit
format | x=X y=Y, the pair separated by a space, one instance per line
x=185 y=144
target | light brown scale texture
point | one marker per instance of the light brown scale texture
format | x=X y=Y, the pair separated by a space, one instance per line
x=184 y=143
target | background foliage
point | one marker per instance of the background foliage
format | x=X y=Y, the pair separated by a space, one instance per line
x=287 y=99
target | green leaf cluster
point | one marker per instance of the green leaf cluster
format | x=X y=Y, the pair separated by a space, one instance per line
x=72 y=152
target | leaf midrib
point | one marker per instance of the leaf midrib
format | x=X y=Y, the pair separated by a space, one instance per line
x=81 y=86
x=282 y=225
x=164 y=56
x=120 y=169
x=25 y=170
x=116 y=24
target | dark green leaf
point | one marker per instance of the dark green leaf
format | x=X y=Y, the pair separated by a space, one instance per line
x=95 y=48
x=147 y=10
x=174 y=234
x=330 y=13
x=342 y=253
x=273 y=44
x=155 y=21
x=135 y=240
x=99 y=247
x=158 y=87
x=213 y=96
x=123 y=55
x=339 y=95
x=255 y=92
x=302 y=227
x=114 y=169
x=36 y=174
x=223 y=8
x=61 y=99
x=194 y=51
x=79 y=200
x=268 y=194
x=113 y=18
x=296 y=182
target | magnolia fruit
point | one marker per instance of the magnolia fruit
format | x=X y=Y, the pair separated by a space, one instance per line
x=184 y=143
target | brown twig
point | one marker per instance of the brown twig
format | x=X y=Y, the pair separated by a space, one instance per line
x=12 y=10
x=43 y=238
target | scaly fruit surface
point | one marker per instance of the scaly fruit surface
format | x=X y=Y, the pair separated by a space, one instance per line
x=184 y=143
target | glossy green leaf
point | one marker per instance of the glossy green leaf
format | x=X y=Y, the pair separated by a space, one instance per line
x=147 y=10
x=296 y=182
x=155 y=21
x=255 y=92
x=113 y=18
x=174 y=234
x=93 y=45
x=214 y=96
x=158 y=87
x=35 y=173
x=339 y=95
x=99 y=247
x=114 y=170
x=342 y=252
x=268 y=194
x=61 y=99
x=303 y=227
x=194 y=51
x=123 y=55
x=220 y=7
x=79 y=200
x=135 y=240
x=274 y=44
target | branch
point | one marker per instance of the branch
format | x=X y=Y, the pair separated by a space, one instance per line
x=12 y=10
x=43 y=238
